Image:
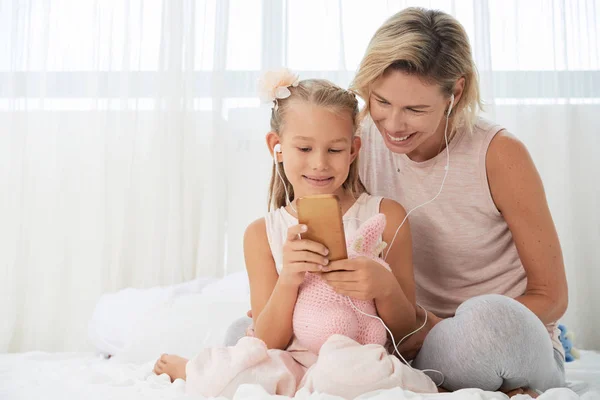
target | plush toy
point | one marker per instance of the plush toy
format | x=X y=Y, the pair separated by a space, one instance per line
x=321 y=312
x=566 y=338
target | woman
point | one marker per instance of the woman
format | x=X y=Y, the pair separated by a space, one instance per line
x=487 y=259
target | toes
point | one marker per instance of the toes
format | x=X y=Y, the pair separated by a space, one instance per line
x=159 y=367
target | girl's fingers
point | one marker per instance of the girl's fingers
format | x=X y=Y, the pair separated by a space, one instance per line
x=307 y=256
x=306 y=267
x=294 y=231
x=309 y=245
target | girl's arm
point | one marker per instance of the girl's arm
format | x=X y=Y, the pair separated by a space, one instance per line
x=518 y=193
x=272 y=305
x=273 y=296
x=397 y=307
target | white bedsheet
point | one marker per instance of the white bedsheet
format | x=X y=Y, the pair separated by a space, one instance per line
x=71 y=376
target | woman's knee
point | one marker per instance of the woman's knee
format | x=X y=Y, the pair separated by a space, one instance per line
x=490 y=304
x=503 y=317
x=490 y=340
x=237 y=330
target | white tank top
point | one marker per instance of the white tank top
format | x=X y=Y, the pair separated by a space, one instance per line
x=278 y=222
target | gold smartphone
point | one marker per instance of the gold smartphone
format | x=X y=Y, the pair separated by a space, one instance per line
x=322 y=214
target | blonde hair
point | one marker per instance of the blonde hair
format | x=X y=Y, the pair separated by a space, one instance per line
x=322 y=93
x=430 y=44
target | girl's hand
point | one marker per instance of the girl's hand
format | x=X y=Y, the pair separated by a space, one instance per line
x=360 y=278
x=301 y=256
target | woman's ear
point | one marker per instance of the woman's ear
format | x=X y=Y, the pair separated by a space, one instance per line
x=273 y=139
x=355 y=148
x=458 y=90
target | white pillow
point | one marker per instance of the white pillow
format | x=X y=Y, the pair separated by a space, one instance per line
x=115 y=314
x=233 y=286
x=190 y=322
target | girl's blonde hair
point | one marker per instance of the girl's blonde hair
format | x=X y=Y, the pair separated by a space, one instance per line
x=321 y=93
x=430 y=44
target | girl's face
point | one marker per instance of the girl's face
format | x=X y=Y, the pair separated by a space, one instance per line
x=409 y=114
x=317 y=146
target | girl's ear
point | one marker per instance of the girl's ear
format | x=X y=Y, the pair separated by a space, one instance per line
x=273 y=139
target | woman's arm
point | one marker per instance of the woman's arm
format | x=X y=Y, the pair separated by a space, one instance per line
x=518 y=193
x=272 y=302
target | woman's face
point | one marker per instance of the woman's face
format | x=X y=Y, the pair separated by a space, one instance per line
x=409 y=113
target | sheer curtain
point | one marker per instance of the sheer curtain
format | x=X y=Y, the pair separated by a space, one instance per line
x=132 y=140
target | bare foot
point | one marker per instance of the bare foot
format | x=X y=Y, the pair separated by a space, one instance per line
x=532 y=393
x=174 y=366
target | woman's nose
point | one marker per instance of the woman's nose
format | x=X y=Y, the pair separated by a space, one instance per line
x=396 y=122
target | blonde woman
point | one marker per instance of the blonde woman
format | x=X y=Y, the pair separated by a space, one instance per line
x=487 y=259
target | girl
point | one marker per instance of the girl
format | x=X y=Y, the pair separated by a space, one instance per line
x=315 y=149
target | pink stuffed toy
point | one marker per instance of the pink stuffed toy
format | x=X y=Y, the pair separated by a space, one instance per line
x=321 y=312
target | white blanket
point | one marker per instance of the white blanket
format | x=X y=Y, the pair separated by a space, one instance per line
x=136 y=326
x=68 y=376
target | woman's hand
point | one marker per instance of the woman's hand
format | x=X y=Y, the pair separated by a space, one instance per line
x=360 y=278
x=301 y=256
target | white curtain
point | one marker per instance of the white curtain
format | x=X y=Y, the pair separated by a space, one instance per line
x=132 y=140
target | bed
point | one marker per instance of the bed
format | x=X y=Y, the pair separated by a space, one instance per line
x=132 y=335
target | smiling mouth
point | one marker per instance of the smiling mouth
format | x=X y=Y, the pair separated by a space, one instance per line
x=316 y=179
x=399 y=139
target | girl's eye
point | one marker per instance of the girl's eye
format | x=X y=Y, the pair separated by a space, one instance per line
x=382 y=102
x=335 y=151
x=304 y=149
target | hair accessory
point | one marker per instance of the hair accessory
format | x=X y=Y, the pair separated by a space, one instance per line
x=275 y=85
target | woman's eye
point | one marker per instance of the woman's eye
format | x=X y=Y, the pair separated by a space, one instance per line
x=416 y=111
x=382 y=102
x=304 y=149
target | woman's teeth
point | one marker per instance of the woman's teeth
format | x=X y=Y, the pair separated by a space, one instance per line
x=399 y=139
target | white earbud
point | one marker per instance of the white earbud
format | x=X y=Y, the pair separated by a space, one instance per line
x=451 y=104
x=276 y=149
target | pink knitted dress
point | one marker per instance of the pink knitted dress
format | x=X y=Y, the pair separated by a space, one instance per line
x=320 y=312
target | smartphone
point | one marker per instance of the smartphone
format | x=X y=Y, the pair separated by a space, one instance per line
x=322 y=214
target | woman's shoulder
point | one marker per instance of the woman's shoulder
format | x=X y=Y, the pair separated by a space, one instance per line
x=506 y=150
x=485 y=128
x=476 y=143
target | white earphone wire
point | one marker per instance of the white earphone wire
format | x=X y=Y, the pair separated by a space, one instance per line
x=277 y=149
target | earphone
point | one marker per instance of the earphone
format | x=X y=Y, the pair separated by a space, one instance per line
x=447 y=168
x=277 y=149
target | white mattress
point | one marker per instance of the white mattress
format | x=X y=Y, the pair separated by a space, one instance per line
x=67 y=376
